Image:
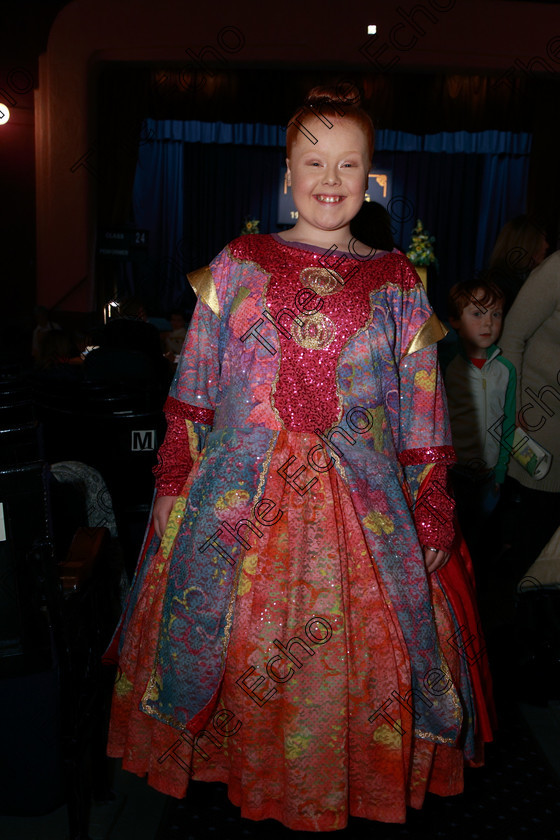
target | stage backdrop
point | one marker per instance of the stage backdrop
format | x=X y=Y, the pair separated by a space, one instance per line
x=196 y=182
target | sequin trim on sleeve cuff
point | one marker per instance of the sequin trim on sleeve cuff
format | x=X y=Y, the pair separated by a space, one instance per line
x=174 y=459
x=197 y=414
x=428 y=455
x=434 y=510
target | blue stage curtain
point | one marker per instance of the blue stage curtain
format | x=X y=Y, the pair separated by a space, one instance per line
x=193 y=131
x=463 y=186
x=197 y=181
x=223 y=186
x=158 y=206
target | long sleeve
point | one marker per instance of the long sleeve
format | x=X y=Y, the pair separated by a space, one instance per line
x=508 y=425
x=174 y=456
x=424 y=439
x=434 y=506
x=189 y=409
x=530 y=341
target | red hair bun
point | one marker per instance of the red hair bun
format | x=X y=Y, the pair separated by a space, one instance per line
x=327 y=104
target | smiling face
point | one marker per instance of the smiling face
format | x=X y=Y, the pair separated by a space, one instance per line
x=479 y=326
x=328 y=182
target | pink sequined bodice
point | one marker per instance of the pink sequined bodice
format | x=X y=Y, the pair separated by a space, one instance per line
x=316 y=309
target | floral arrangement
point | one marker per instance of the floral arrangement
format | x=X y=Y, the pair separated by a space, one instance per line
x=250 y=226
x=421 y=249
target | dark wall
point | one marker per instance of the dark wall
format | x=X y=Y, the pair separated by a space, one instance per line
x=25 y=27
x=419 y=98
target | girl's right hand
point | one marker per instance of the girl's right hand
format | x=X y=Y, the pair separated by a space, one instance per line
x=435 y=558
x=163 y=506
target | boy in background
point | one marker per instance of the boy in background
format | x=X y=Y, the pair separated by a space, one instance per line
x=480 y=385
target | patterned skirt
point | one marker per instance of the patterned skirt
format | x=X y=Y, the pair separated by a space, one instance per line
x=315 y=718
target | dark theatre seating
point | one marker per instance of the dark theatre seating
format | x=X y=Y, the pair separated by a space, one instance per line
x=59 y=589
x=117 y=429
x=55 y=620
x=20 y=434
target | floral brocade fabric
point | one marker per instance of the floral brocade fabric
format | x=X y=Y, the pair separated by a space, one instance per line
x=284 y=636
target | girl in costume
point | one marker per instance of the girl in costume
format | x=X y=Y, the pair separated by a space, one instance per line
x=302 y=625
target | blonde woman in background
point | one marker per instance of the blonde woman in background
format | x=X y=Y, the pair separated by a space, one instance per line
x=520 y=247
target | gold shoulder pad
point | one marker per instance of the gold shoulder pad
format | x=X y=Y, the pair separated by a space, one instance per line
x=202 y=284
x=431 y=331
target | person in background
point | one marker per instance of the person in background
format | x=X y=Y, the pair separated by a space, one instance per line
x=372 y=226
x=174 y=340
x=59 y=359
x=531 y=340
x=58 y=348
x=129 y=350
x=480 y=386
x=131 y=330
x=44 y=326
x=520 y=247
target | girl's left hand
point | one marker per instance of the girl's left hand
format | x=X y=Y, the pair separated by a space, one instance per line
x=435 y=559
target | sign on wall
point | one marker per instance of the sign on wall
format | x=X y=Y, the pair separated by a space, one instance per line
x=122 y=243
